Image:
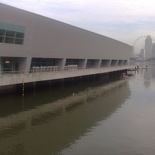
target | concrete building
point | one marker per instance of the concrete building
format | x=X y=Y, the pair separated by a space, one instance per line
x=141 y=55
x=148 y=47
x=31 y=43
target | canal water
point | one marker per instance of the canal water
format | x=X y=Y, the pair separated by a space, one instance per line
x=91 y=118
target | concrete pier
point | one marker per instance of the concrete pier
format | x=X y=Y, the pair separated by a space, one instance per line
x=13 y=79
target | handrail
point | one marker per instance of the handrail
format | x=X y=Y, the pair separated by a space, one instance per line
x=47 y=69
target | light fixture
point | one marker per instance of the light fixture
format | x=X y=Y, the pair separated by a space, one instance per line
x=7 y=62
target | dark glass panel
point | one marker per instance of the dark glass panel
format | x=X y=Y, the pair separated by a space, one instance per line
x=19 y=41
x=10 y=34
x=1 y=39
x=2 y=32
x=72 y=62
x=9 y=40
x=19 y=35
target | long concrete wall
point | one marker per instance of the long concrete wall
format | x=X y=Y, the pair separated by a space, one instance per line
x=45 y=37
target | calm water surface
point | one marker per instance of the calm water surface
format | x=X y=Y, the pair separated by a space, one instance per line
x=117 y=118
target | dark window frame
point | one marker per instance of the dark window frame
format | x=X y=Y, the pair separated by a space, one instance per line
x=11 y=37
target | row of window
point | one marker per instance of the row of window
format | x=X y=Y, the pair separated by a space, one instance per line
x=54 y=62
x=72 y=62
x=11 y=37
x=44 y=62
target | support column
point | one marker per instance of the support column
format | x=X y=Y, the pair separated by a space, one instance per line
x=62 y=63
x=24 y=64
x=110 y=61
x=28 y=64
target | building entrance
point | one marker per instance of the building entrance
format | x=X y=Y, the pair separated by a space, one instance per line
x=8 y=65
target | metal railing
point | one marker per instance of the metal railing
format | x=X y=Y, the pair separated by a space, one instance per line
x=43 y=69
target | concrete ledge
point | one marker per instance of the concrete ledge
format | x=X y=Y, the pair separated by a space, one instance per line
x=11 y=79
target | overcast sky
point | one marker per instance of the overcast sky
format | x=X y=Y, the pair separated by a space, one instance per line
x=124 y=20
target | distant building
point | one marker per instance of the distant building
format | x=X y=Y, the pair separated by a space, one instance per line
x=148 y=47
x=141 y=55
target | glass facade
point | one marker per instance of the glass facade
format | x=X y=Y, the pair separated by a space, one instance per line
x=8 y=65
x=120 y=62
x=114 y=62
x=43 y=62
x=90 y=63
x=105 y=63
x=72 y=62
x=11 y=34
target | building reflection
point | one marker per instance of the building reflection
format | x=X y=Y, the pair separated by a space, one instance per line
x=147 y=78
x=51 y=127
x=149 y=74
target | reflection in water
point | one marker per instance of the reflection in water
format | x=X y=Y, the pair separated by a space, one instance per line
x=9 y=131
x=37 y=127
x=149 y=74
x=153 y=71
x=147 y=78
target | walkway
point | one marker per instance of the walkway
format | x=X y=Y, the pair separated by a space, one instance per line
x=11 y=79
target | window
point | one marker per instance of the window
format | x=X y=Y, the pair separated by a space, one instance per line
x=44 y=62
x=9 y=40
x=12 y=34
x=72 y=62
x=19 y=41
x=2 y=32
x=90 y=63
x=19 y=35
x=11 y=37
x=1 y=39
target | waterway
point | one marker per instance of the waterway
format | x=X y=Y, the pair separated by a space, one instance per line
x=92 y=118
